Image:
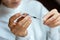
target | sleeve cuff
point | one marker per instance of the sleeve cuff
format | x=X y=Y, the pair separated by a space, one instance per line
x=24 y=38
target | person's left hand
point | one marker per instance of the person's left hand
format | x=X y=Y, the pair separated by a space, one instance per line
x=52 y=19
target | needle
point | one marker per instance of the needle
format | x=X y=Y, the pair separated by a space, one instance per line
x=33 y=17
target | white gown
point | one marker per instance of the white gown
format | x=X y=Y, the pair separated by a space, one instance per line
x=36 y=31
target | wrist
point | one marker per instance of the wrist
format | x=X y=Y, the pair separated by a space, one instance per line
x=23 y=34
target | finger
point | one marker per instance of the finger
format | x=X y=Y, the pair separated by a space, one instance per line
x=14 y=17
x=25 y=14
x=11 y=20
x=21 y=18
x=11 y=25
x=49 y=21
x=24 y=20
x=25 y=26
x=50 y=14
x=17 y=29
x=56 y=24
x=57 y=19
x=19 y=25
x=22 y=28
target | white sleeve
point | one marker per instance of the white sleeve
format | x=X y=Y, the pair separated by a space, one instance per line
x=54 y=34
x=23 y=38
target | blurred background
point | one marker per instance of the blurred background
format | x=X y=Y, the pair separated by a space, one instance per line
x=51 y=4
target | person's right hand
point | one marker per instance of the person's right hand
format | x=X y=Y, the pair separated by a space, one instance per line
x=19 y=28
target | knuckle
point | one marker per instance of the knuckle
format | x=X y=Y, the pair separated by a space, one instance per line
x=50 y=20
x=57 y=14
x=54 y=10
x=53 y=19
x=19 y=24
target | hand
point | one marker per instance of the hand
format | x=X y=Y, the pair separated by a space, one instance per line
x=52 y=19
x=19 y=28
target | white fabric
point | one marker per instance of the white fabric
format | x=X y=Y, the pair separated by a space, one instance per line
x=36 y=31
